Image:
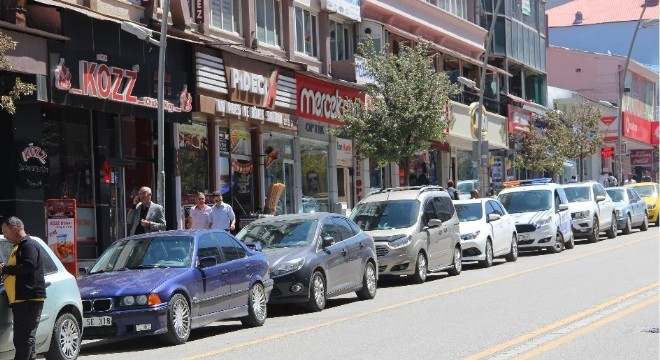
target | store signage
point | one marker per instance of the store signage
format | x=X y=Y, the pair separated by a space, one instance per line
x=224 y=107
x=361 y=76
x=655 y=133
x=359 y=184
x=641 y=157
x=251 y=88
x=32 y=166
x=606 y=152
x=347 y=8
x=519 y=119
x=113 y=83
x=61 y=231
x=608 y=128
x=320 y=100
x=637 y=128
x=199 y=11
x=344 y=152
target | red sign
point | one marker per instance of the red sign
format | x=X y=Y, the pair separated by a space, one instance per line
x=641 y=157
x=655 y=133
x=637 y=128
x=61 y=230
x=607 y=152
x=519 y=119
x=321 y=100
x=607 y=120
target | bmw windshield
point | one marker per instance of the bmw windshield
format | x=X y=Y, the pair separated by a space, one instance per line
x=280 y=234
x=142 y=253
x=526 y=201
x=384 y=215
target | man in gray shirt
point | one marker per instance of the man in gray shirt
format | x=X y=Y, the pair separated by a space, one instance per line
x=222 y=214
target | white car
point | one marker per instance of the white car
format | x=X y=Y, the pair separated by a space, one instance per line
x=487 y=231
x=592 y=210
x=540 y=210
x=60 y=331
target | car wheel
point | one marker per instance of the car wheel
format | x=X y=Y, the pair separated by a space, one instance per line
x=611 y=232
x=571 y=243
x=513 y=254
x=420 y=269
x=628 y=228
x=257 y=311
x=178 y=321
x=65 y=343
x=595 y=232
x=317 y=292
x=645 y=223
x=559 y=244
x=457 y=266
x=488 y=261
x=369 y=288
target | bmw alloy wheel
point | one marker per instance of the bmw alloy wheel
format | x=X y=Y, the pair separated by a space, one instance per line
x=259 y=302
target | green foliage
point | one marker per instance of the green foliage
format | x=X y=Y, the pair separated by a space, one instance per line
x=406 y=105
x=20 y=88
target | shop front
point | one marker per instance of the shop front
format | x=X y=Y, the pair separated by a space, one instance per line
x=327 y=170
x=97 y=127
x=246 y=107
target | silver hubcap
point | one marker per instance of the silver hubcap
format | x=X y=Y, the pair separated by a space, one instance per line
x=514 y=247
x=370 y=275
x=421 y=266
x=489 y=253
x=319 y=291
x=458 y=264
x=181 y=318
x=69 y=336
x=614 y=225
x=258 y=302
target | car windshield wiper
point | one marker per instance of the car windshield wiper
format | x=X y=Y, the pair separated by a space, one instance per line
x=149 y=266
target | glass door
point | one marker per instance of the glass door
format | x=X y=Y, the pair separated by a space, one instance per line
x=287 y=199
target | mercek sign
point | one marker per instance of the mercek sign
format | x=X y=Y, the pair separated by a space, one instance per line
x=321 y=100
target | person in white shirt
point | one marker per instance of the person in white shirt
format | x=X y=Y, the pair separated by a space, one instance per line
x=200 y=215
x=222 y=214
x=630 y=179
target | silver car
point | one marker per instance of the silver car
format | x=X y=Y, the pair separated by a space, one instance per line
x=415 y=230
x=60 y=332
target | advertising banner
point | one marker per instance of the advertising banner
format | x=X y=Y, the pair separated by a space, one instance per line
x=321 y=100
x=344 y=152
x=641 y=157
x=637 y=128
x=61 y=230
x=519 y=119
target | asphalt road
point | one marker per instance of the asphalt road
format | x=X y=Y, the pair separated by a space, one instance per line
x=596 y=301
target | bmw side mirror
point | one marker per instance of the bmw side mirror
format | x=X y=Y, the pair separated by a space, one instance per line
x=327 y=241
x=493 y=217
x=600 y=198
x=563 y=207
x=208 y=261
x=256 y=246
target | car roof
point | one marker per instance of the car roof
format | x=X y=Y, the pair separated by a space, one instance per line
x=550 y=187
x=405 y=193
x=293 y=217
x=472 y=201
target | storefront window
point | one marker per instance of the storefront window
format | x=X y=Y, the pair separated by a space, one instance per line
x=66 y=137
x=314 y=165
x=193 y=160
x=242 y=170
x=465 y=169
x=278 y=164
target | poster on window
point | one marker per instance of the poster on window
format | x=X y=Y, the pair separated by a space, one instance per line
x=240 y=141
x=223 y=140
x=61 y=231
x=193 y=136
x=526 y=7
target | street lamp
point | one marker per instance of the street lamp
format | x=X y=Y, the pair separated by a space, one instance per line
x=640 y=25
x=146 y=34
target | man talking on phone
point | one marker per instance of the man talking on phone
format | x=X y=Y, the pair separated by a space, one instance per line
x=145 y=216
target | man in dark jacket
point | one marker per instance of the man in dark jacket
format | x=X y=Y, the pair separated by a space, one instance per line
x=25 y=286
x=453 y=193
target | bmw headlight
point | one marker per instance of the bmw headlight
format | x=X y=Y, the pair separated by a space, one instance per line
x=651 y=206
x=471 y=235
x=399 y=242
x=543 y=222
x=288 y=267
x=127 y=301
x=139 y=300
x=581 y=214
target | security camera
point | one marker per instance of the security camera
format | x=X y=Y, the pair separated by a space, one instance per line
x=140 y=32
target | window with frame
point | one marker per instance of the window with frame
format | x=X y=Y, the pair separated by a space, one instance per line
x=306 y=34
x=456 y=7
x=226 y=15
x=340 y=41
x=268 y=21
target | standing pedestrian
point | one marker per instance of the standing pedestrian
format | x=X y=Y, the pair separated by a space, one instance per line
x=474 y=194
x=453 y=193
x=646 y=177
x=145 y=216
x=200 y=215
x=612 y=180
x=25 y=286
x=222 y=214
x=630 y=179
x=573 y=179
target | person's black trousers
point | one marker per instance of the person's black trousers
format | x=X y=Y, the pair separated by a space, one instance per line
x=26 y=320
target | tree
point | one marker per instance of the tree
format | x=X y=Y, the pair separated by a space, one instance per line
x=20 y=88
x=536 y=150
x=406 y=104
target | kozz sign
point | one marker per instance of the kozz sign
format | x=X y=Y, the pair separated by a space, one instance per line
x=320 y=100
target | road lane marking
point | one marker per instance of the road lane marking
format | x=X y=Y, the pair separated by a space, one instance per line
x=409 y=302
x=583 y=330
x=561 y=323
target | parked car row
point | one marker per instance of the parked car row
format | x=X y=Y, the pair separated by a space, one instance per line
x=168 y=283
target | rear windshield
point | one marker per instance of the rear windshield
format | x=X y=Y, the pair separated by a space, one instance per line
x=384 y=215
x=469 y=212
x=526 y=201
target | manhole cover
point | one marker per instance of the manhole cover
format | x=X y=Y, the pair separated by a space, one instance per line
x=653 y=330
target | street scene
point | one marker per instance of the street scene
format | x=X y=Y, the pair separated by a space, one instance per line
x=452 y=179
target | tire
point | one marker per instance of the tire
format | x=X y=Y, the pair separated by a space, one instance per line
x=595 y=232
x=611 y=232
x=457 y=265
x=488 y=262
x=421 y=269
x=571 y=243
x=65 y=342
x=178 y=321
x=559 y=244
x=257 y=311
x=628 y=228
x=513 y=254
x=369 y=287
x=645 y=223
x=317 y=293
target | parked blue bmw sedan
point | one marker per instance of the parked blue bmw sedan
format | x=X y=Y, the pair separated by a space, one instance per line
x=167 y=283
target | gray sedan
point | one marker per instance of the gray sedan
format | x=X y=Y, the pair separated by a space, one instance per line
x=630 y=209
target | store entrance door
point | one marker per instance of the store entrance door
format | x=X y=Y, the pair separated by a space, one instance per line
x=288 y=200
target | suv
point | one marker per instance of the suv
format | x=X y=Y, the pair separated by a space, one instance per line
x=415 y=230
x=592 y=210
x=540 y=210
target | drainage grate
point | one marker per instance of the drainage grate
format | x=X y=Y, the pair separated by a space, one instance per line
x=653 y=330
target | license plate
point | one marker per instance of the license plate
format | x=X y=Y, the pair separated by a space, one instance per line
x=523 y=237
x=98 y=321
